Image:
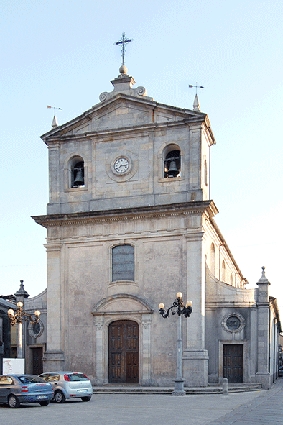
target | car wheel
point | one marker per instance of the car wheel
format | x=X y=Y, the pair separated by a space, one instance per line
x=59 y=397
x=44 y=403
x=86 y=398
x=13 y=401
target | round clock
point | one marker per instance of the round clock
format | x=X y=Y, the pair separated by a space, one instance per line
x=121 y=165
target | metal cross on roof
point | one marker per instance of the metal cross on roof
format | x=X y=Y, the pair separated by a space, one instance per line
x=123 y=42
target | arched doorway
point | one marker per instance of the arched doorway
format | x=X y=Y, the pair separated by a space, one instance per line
x=123 y=352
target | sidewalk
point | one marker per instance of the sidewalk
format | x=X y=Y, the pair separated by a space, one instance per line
x=265 y=409
x=137 y=389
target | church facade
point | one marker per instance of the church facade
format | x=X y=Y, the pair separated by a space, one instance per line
x=129 y=224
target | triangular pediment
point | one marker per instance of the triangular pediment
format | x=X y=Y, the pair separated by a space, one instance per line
x=122 y=112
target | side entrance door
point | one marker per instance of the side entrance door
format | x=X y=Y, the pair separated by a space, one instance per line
x=123 y=352
x=37 y=367
x=233 y=362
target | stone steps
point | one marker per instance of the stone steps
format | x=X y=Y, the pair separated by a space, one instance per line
x=211 y=389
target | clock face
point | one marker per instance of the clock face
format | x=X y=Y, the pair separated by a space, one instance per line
x=121 y=165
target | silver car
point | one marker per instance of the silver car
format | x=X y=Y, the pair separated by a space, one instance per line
x=17 y=389
x=68 y=385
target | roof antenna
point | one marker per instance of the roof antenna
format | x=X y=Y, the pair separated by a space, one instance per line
x=196 y=105
x=54 y=121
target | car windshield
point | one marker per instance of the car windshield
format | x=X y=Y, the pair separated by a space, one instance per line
x=50 y=378
x=78 y=377
x=26 y=379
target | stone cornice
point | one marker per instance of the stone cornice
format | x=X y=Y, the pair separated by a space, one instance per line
x=230 y=304
x=115 y=132
x=138 y=213
x=186 y=115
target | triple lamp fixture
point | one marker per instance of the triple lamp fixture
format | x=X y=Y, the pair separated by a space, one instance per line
x=19 y=315
x=178 y=307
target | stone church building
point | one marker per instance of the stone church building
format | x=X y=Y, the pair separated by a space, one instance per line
x=129 y=224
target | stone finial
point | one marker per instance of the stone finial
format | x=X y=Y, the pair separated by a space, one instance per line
x=196 y=105
x=54 y=122
x=263 y=279
x=123 y=70
x=21 y=291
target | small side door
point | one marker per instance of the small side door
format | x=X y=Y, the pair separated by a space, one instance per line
x=233 y=362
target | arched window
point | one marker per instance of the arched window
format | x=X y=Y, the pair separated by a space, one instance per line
x=223 y=273
x=172 y=161
x=212 y=258
x=123 y=263
x=205 y=173
x=77 y=178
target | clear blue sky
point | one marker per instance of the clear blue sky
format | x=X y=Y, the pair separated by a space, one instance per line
x=62 y=53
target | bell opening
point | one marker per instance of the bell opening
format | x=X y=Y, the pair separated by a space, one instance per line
x=78 y=175
x=172 y=164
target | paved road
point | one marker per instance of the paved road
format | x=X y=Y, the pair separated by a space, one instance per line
x=257 y=407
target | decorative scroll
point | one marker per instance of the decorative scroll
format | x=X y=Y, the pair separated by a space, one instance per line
x=104 y=96
x=140 y=91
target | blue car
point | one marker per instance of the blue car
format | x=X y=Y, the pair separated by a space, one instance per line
x=17 y=389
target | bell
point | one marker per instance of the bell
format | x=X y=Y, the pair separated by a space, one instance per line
x=173 y=170
x=79 y=179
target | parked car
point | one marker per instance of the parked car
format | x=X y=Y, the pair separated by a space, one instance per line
x=17 y=389
x=69 y=385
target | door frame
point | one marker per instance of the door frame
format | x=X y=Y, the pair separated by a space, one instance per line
x=245 y=358
x=124 y=350
x=33 y=348
x=121 y=307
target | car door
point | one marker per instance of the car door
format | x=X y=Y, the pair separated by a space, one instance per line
x=6 y=382
x=51 y=378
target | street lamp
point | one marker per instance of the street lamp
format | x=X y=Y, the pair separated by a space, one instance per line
x=20 y=315
x=178 y=307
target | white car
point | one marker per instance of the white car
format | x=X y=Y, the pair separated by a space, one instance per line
x=68 y=385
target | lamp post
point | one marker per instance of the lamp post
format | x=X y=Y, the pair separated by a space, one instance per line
x=20 y=315
x=178 y=307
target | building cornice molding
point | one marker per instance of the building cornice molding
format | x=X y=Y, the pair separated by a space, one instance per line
x=230 y=304
x=120 y=97
x=138 y=213
x=126 y=131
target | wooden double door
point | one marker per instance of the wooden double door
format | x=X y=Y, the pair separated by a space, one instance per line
x=233 y=362
x=123 y=352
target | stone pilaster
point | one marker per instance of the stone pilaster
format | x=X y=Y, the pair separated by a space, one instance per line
x=195 y=356
x=54 y=355
x=263 y=373
x=99 y=351
x=146 y=350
